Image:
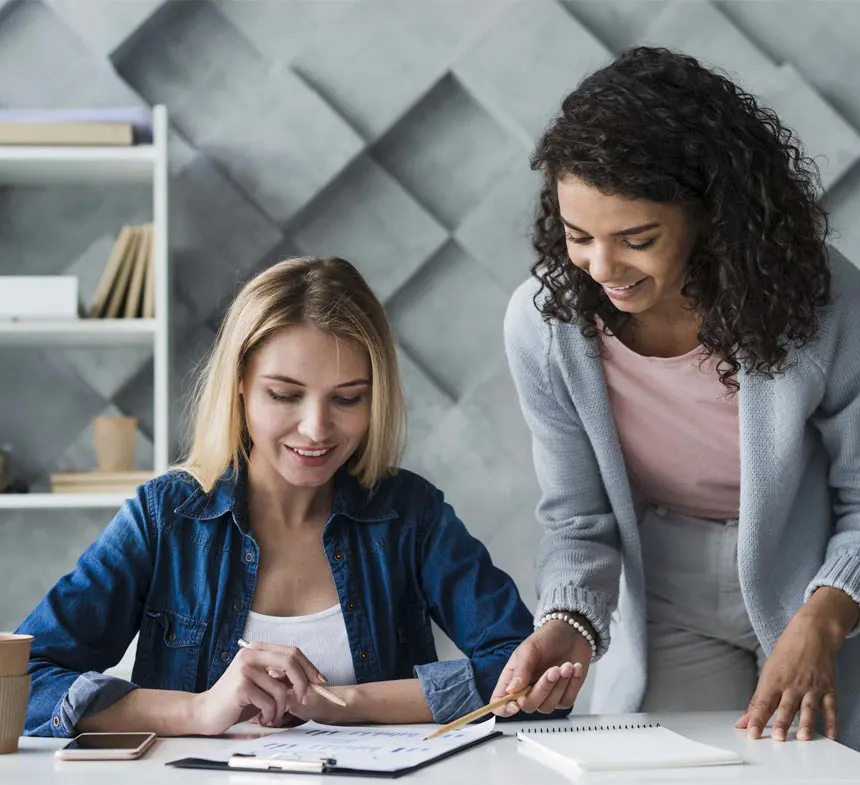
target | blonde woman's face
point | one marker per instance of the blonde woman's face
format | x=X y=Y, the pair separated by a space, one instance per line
x=307 y=403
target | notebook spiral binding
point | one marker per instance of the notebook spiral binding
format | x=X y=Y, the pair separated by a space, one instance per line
x=582 y=728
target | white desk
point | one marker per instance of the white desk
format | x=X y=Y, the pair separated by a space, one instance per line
x=496 y=762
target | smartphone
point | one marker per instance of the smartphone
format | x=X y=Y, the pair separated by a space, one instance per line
x=106 y=746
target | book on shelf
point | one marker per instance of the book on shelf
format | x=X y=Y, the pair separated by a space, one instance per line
x=98 y=482
x=67 y=134
x=134 y=298
x=148 y=306
x=116 y=257
x=123 y=276
x=126 y=288
x=119 y=126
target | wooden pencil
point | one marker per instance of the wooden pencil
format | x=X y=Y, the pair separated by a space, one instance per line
x=478 y=713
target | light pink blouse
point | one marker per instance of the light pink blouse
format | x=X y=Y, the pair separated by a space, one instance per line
x=679 y=431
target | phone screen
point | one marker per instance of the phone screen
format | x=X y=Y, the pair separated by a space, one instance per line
x=107 y=741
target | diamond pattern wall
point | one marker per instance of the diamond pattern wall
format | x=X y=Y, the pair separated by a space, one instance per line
x=395 y=134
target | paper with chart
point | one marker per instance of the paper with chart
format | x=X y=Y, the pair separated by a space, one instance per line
x=369 y=748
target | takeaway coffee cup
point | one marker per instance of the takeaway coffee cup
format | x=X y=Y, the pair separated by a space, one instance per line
x=14 y=688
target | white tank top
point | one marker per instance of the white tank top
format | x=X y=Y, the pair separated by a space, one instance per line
x=321 y=637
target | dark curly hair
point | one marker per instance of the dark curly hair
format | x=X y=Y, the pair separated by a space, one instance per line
x=657 y=125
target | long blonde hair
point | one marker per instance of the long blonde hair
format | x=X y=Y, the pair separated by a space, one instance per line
x=329 y=294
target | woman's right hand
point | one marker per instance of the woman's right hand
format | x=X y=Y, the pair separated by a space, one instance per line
x=554 y=659
x=259 y=682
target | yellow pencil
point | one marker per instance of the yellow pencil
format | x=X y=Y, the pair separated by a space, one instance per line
x=478 y=713
x=321 y=691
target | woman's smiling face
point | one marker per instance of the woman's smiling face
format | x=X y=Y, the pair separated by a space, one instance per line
x=635 y=249
x=307 y=403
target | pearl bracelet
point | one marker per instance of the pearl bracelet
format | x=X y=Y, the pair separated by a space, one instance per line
x=561 y=616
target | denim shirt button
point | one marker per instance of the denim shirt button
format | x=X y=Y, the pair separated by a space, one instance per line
x=56 y=722
x=338 y=556
x=249 y=557
x=171 y=637
x=350 y=606
x=238 y=605
x=225 y=656
x=362 y=655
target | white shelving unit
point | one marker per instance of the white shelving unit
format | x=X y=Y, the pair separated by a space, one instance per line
x=79 y=332
x=47 y=165
x=59 y=501
x=57 y=165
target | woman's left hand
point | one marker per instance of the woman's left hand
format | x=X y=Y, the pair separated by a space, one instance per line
x=800 y=674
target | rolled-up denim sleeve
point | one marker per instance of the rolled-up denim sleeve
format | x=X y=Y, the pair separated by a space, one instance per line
x=477 y=606
x=449 y=688
x=89 y=694
x=86 y=622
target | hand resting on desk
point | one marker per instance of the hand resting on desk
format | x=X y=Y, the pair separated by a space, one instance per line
x=799 y=677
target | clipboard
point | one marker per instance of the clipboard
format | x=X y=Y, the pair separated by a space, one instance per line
x=282 y=765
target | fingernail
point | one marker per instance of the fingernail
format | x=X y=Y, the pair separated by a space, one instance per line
x=577 y=669
x=304 y=700
x=778 y=734
x=513 y=684
x=322 y=678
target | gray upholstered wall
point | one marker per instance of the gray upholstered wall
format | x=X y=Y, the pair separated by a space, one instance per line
x=393 y=133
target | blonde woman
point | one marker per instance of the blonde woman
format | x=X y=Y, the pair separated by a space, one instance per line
x=288 y=526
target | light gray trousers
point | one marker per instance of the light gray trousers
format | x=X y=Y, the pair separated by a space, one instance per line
x=702 y=651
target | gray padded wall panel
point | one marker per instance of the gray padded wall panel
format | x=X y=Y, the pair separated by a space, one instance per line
x=395 y=134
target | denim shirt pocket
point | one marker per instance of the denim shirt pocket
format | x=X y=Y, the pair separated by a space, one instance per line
x=415 y=634
x=168 y=652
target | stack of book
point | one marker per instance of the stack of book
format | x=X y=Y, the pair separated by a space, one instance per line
x=121 y=126
x=127 y=286
x=98 y=482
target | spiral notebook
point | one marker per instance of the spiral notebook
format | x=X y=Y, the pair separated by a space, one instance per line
x=626 y=746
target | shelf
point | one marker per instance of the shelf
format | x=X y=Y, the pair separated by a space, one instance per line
x=48 y=501
x=43 y=165
x=77 y=332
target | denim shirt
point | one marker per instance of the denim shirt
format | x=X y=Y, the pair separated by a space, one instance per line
x=179 y=566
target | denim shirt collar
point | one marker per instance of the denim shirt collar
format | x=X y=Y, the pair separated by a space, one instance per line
x=229 y=495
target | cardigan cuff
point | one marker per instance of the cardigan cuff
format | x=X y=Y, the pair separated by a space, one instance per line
x=573 y=599
x=840 y=572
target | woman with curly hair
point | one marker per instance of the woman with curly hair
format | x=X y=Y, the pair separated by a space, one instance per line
x=687 y=358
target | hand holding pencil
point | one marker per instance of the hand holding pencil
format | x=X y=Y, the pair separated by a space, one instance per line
x=557 y=682
x=266 y=683
x=554 y=659
x=317 y=688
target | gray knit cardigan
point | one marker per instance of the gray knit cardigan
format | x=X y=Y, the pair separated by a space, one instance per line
x=800 y=489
